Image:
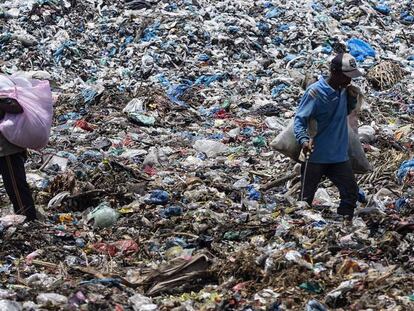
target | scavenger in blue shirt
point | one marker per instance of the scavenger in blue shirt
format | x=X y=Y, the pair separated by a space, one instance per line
x=326 y=102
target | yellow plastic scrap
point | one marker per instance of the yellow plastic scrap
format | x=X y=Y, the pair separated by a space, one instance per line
x=218 y=123
x=126 y=210
x=276 y=214
x=65 y=218
x=402 y=132
x=174 y=252
x=231 y=157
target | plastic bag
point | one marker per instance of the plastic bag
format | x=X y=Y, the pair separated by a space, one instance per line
x=406 y=172
x=30 y=129
x=360 y=49
x=286 y=142
x=210 y=147
x=359 y=161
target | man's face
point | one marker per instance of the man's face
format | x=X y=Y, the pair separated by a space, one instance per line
x=342 y=80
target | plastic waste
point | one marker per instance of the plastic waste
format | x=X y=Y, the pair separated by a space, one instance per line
x=337 y=298
x=205 y=70
x=210 y=147
x=135 y=105
x=77 y=300
x=171 y=211
x=405 y=173
x=383 y=199
x=124 y=247
x=383 y=8
x=366 y=134
x=10 y=305
x=51 y=299
x=314 y=305
x=103 y=216
x=253 y=194
x=274 y=123
x=360 y=49
x=362 y=198
x=158 y=197
x=40 y=280
x=12 y=220
x=313 y=287
x=140 y=302
x=322 y=198
x=240 y=184
x=141 y=119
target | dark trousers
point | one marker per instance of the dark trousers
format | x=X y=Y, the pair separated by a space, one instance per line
x=342 y=177
x=14 y=179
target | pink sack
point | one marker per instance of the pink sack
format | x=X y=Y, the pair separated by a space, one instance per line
x=30 y=129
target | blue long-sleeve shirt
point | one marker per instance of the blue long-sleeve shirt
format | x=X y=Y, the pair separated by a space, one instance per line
x=329 y=108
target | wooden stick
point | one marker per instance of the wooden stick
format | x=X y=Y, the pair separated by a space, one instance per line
x=260 y=174
x=278 y=182
x=45 y=264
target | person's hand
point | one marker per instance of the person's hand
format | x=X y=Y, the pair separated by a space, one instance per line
x=307 y=147
x=10 y=105
x=353 y=90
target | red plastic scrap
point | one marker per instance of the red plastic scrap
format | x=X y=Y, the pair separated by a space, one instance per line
x=222 y=114
x=125 y=247
x=119 y=308
x=151 y=171
x=105 y=248
x=84 y=125
x=127 y=141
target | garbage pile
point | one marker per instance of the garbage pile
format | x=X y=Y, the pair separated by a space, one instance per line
x=159 y=189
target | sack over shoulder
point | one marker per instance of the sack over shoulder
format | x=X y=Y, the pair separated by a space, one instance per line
x=31 y=128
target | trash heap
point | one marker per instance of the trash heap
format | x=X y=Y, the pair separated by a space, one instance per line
x=159 y=190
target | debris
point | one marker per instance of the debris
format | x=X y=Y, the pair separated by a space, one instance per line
x=160 y=186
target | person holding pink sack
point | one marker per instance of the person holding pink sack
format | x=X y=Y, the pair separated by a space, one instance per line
x=26 y=110
x=12 y=159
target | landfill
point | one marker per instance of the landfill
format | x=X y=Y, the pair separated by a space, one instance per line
x=159 y=189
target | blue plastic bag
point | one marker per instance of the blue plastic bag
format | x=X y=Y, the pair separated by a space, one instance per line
x=383 y=8
x=404 y=169
x=158 y=197
x=407 y=18
x=360 y=49
x=277 y=90
x=175 y=92
x=273 y=12
x=171 y=210
x=315 y=305
x=253 y=193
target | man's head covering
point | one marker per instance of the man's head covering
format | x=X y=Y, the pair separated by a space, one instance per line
x=346 y=64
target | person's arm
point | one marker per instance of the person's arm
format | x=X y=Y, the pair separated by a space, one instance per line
x=352 y=103
x=303 y=114
x=9 y=105
x=352 y=93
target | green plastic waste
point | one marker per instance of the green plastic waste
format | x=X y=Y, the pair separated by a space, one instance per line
x=259 y=141
x=141 y=119
x=226 y=104
x=103 y=216
x=313 y=287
